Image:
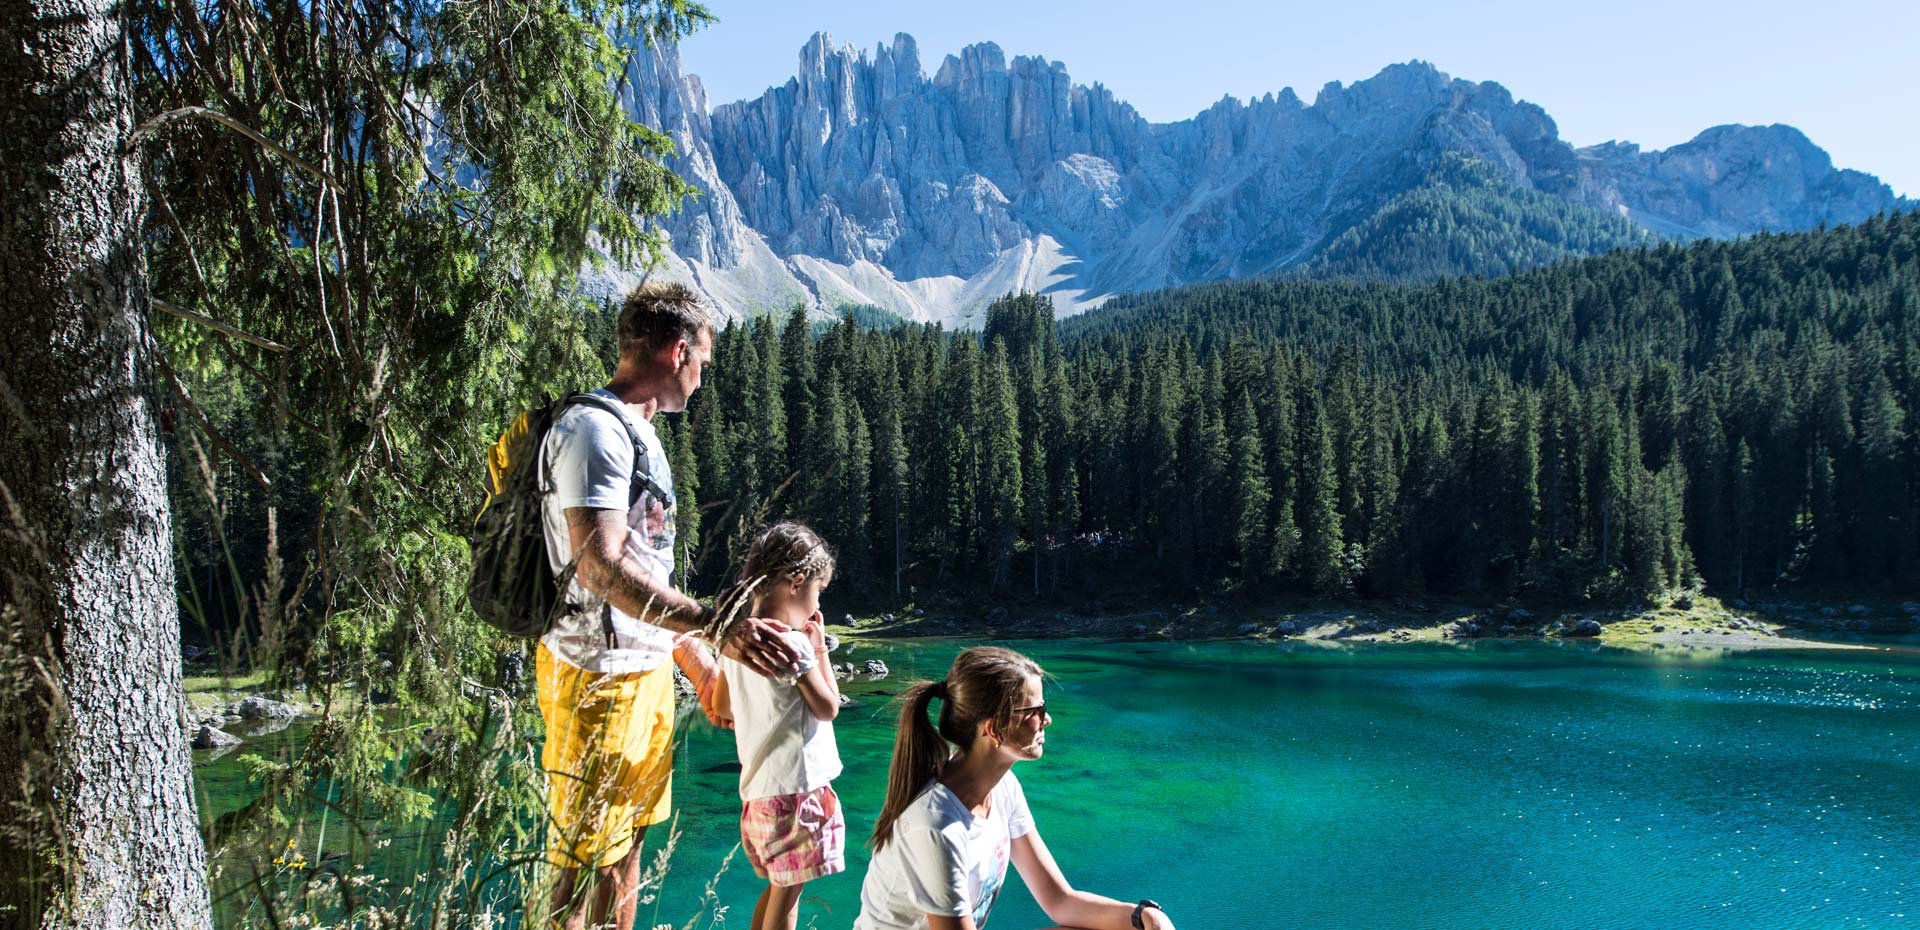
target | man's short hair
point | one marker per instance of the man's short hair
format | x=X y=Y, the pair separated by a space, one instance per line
x=659 y=314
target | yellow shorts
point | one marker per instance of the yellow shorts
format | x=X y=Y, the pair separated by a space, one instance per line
x=608 y=756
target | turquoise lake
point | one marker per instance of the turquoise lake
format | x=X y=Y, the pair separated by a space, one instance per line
x=1512 y=785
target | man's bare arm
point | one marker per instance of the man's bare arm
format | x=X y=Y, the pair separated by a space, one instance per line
x=604 y=568
x=600 y=536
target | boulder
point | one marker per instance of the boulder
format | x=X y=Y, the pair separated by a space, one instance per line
x=997 y=615
x=209 y=737
x=1248 y=629
x=1683 y=602
x=1659 y=628
x=1586 y=628
x=1911 y=607
x=1519 y=615
x=876 y=669
x=260 y=708
x=1858 y=610
x=1829 y=611
x=1289 y=627
x=682 y=685
x=833 y=642
x=1466 y=629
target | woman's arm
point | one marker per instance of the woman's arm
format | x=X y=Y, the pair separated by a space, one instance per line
x=1066 y=906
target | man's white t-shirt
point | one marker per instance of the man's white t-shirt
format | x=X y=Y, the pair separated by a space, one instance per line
x=784 y=748
x=589 y=463
x=942 y=859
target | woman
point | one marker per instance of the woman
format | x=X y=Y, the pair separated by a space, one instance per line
x=955 y=815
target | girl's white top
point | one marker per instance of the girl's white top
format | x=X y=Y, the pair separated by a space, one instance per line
x=943 y=859
x=783 y=748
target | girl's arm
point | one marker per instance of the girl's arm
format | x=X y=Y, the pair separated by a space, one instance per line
x=944 y=922
x=704 y=671
x=719 y=702
x=817 y=686
x=1066 y=906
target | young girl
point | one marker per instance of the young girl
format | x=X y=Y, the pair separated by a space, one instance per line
x=955 y=816
x=790 y=821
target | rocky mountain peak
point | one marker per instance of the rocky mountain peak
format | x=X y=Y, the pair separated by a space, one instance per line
x=861 y=180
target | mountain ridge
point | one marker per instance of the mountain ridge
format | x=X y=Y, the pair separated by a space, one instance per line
x=863 y=180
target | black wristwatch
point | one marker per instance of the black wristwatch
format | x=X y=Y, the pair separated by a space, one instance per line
x=1138 y=924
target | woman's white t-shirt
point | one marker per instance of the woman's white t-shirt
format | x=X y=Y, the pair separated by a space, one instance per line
x=784 y=748
x=942 y=859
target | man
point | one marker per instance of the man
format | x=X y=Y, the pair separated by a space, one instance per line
x=603 y=674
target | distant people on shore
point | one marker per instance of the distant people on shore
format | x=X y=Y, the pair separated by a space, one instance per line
x=791 y=826
x=955 y=815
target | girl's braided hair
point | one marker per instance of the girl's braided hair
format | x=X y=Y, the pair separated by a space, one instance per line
x=783 y=550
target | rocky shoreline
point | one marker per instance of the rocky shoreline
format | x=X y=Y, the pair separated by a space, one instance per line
x=1684 y=624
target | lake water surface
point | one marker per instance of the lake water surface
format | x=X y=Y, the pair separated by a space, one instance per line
x=1509 y=785
x=1522 y=785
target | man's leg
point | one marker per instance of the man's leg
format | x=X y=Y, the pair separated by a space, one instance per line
x=615 y=893
x=619 y=895
x=566 y=912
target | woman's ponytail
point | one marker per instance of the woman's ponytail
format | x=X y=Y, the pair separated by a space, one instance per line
x=918 y=753
x=984 y=684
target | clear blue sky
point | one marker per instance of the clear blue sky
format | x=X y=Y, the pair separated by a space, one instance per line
x=1845 y=72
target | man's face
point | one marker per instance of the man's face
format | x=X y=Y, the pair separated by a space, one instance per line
x=689 y=358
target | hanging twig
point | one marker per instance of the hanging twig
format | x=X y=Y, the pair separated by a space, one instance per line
x=211 y=323
x=153 y=125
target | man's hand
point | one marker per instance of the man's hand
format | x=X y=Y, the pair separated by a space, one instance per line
x=756 y=642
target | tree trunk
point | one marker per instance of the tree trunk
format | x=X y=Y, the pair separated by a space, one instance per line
x=98 y=827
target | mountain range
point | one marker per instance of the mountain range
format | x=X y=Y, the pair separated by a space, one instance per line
x=863 y=180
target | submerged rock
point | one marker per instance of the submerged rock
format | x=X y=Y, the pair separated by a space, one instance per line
x=209 y=737
x=269 y=726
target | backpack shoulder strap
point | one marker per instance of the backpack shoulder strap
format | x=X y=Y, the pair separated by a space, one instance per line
x=642 y=478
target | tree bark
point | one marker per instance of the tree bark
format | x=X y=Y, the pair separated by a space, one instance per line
x=98 y=826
